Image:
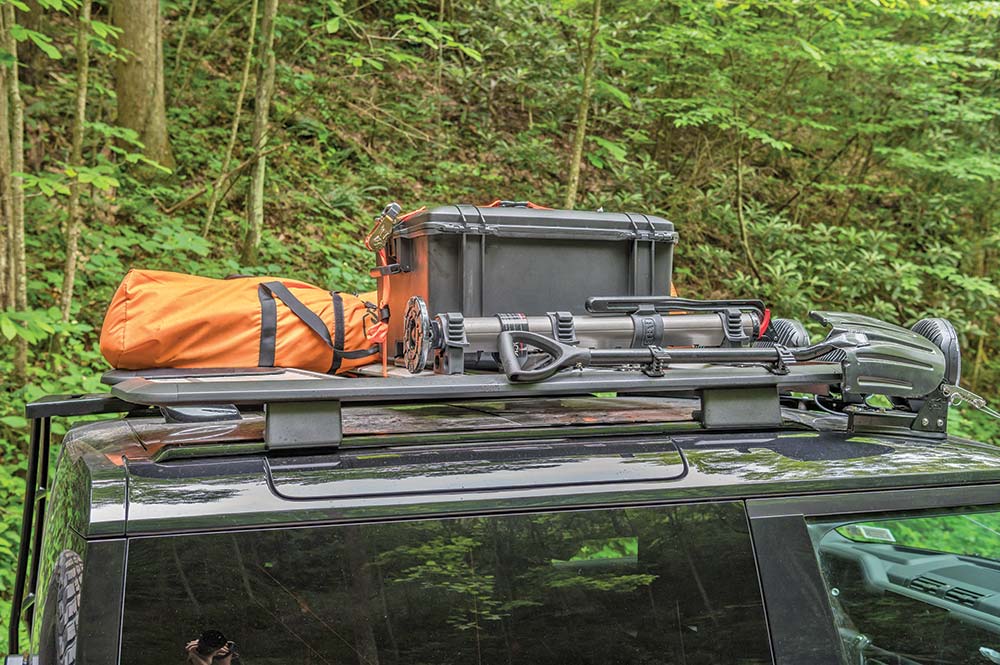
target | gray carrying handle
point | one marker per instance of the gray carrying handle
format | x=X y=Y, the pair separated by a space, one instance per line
x=563 y=356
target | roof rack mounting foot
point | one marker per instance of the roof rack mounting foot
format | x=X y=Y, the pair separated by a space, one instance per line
x=296 y=425
x=930 y=419
x=740 y=407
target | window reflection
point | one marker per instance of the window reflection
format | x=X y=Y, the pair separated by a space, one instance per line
x=652 y=586
x=915 y=590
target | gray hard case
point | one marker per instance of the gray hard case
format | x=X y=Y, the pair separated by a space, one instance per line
x=483 y=261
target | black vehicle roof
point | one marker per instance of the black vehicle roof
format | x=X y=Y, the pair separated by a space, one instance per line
x=143 y=475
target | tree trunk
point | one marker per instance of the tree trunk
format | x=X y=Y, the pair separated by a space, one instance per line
x=7 y=230
x=139 y=79
x=262 y=104
x=583 y=108
x=180 y=44
x=19 y=283
x=234 y=127
x=75 y=222
x=740 y=218
x=32 y=59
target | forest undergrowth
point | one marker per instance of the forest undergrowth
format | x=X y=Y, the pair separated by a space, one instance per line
x=822 y=155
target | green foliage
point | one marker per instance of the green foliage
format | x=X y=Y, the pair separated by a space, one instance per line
x=974 y=425
x=865 y=133
x=967 y=534
x=448 y=564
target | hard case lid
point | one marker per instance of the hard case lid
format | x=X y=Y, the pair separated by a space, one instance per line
x=523 y=222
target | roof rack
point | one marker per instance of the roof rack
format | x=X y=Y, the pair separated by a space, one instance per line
x=290 y=395
x=860 y=356
x=303 y=409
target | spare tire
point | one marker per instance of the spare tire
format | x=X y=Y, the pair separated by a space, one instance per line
x=945 y=337
x=68 y=578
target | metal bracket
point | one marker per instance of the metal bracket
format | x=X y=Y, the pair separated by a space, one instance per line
x=741 y=407
x=390 y=269
x=957 y=395
x=930 y=420
x=294 y=425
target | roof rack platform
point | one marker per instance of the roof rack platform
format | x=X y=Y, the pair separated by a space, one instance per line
x=303 y=408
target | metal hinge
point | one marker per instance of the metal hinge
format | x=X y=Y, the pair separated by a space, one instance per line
x=956 y=396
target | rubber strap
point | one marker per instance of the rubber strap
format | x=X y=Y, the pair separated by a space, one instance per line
x=268 y=328
x=647 y=329
x=338 y=331
x=382 y=328
x=500 y=203
x=269 y=325
x=412 y=213
x=360 y=353
x=306 y=315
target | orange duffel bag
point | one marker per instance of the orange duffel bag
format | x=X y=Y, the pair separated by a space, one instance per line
x=166 y=319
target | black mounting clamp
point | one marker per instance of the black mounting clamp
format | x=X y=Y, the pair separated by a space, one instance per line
x=785 y=359
x=563 y=327
x=452 y=343
x=732 y=327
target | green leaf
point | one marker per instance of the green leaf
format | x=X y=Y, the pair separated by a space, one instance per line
x=616 y=150
x=617 y=93
x=43 y=42
x=469 y=51
x=14 y=421
x=814 y=53
x=421 y=24
x=333 y=25
x=765 y=138
x=103 y=30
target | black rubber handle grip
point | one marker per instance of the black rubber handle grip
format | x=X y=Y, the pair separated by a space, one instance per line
x=562 y=355
x=605 y=305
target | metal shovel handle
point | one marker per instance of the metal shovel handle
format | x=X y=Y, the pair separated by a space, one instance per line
x=562 y=356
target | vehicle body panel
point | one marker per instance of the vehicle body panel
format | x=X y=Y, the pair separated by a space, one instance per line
x=245 y=492
x=210 y=492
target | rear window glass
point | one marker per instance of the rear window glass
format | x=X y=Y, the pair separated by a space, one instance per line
x=917 y=589
x=646 y=585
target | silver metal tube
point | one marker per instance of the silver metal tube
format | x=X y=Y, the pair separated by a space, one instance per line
x=613 y=332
